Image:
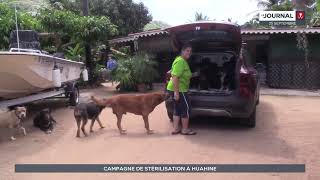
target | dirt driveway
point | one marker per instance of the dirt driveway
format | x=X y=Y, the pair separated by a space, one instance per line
x=287 y=132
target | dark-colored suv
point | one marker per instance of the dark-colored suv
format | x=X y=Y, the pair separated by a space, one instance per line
x=228 y=84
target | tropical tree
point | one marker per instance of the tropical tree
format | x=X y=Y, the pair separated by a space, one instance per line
x=315 y=20
x=27 y=5
x=7 y=23
x=303 y=4
x=285 y=5
x=200 y=17
x=127 y=15
x=268 y=4
x=155 y=25
x=75 y=28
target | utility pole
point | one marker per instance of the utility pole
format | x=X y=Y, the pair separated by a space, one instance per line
x=89 y=64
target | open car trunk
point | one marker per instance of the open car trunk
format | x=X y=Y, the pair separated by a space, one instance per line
x=215 y=49
x=216 y=73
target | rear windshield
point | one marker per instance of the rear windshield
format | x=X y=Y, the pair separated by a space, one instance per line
x=212 y=35
x=208 y=40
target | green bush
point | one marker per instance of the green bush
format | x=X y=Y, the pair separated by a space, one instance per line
x=139 y=69
x=75 y=53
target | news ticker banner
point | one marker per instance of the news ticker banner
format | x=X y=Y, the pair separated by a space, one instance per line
x=159 y=168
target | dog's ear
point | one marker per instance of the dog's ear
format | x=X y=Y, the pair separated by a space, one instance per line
x=97 y=101
x=94 y=99
x=20 y=108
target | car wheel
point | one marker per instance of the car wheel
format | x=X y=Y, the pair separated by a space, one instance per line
x=74 y=97
x=170 y=115
x=251 y=121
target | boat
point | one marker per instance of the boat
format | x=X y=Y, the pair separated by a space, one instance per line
x=26 y=70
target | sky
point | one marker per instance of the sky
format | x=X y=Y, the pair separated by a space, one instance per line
x=175 y=12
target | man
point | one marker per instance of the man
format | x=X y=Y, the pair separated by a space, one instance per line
x=178 y=87
x=111 y=64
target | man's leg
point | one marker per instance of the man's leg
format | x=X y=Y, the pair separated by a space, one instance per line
x=185 y=123
x=176 y=120
x=176 y=116
x=185 y=115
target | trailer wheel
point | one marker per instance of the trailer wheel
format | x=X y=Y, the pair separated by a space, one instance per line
x=74 y=96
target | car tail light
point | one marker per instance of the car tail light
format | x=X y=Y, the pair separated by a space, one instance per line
x=245 y=83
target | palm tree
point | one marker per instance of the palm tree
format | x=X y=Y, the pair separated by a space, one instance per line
x=268 y=4
x=27 y=5
x=200 y=17
x=303 y=4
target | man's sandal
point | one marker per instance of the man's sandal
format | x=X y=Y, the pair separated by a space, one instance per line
x=188 y=132
x=176 y=132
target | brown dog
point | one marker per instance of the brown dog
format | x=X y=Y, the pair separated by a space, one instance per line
x=12 y=119
x=142 y=105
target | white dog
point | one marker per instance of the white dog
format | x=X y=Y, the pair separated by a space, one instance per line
x=12 y=119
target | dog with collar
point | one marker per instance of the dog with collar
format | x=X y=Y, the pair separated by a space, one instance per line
x=13 y=119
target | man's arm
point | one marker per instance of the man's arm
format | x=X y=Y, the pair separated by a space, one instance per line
x=175 y=81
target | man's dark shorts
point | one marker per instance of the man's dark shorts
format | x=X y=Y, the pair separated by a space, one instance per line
x=181 y=108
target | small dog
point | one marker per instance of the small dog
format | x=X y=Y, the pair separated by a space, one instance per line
x=85 y=111
x=44 y=121
x=12 y=119
x=142 y=104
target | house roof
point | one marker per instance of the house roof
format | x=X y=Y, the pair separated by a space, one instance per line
x=134 y=36
x=280 y=31
x=148 y=33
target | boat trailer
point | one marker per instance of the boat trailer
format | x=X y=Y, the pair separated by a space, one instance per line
x=70 y=91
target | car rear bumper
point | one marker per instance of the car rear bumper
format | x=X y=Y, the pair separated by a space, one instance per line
x=210 y=112
x=219 y=106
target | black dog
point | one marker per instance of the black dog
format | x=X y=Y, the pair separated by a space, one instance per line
x=85 y=111
x=44 y=121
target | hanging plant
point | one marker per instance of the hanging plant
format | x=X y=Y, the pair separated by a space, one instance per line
x=302 y=44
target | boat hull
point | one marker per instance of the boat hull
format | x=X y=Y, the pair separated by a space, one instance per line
x=23 y=74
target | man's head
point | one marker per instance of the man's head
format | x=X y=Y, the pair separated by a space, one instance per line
x=186 y=51
x=110 y=56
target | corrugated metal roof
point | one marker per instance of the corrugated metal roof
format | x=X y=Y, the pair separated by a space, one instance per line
x=121 y=40
x=280 y=31
x=133 y=36
x=149 y=33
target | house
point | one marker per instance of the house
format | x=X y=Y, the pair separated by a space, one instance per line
x=287 y=66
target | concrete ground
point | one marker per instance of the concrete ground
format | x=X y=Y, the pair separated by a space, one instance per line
x=287 y=132
x=289 y=92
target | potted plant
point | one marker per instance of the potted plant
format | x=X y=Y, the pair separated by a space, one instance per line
x=145 y=71
x=124 y=75
x=135 y=72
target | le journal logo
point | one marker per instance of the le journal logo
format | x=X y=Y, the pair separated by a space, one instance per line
x=281 y=15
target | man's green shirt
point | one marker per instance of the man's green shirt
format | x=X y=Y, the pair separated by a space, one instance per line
x=180 y=68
